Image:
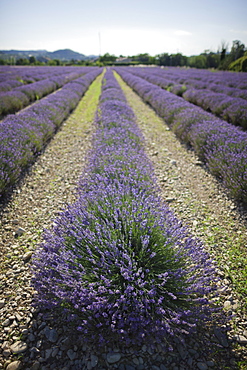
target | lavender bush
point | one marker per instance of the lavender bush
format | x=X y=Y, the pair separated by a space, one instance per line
x=197 y=90
x=14 y=75
x=21 y=96
x=117 y=260
x=23 y=135
x=225 y=152
x=201 y=79
x=233 y=110
x=12 y=101
x=227 y=147
x=9 y=85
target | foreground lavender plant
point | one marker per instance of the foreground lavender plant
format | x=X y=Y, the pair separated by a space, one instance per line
x=118 y=260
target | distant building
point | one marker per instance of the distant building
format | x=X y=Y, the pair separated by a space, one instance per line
x=123 y=60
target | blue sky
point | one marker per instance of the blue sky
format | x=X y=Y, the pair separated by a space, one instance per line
x=126 y=27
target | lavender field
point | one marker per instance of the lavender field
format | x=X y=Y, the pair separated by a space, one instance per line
x=119 y=269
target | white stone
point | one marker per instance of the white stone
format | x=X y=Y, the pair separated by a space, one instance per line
x=241 y=339
x=27 y=256
x=227 y=304
x=14 y=365
x=18 y=347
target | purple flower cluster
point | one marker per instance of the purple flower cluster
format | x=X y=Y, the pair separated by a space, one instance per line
x=117 y=260
x=9 y=85
x=228 y=83
x=23 y=135
x=233 y=110
x=198 y=91
x=13 y=76
x=202 y=79
x=221 y=145
x=13 y=100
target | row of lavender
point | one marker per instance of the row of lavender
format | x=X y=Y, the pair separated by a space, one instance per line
x=117 y=261
x=222 y=146
x=22 y=136
x=229 y=83
x=13 y=76
x=19 y=97
x=233 y=83
x=210 y=96
x=222 y=93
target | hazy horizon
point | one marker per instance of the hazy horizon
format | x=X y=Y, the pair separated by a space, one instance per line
x=122 y=28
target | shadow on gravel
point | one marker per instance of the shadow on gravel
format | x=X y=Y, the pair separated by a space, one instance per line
x=53 y=343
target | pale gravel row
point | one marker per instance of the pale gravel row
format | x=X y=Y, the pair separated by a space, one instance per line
x=189 y=189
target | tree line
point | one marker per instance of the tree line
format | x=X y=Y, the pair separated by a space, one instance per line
x=234 y=59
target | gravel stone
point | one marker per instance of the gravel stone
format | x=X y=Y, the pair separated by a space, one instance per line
x=94 y=360
x=27 y=256
x=222 y=338
x=163 y=367
x=18 y=347
x=19 y=231
x=51 y=334
x=129 y=367
x=113 y=357
x=202 y=366
x=210 y=363
x=135 y=361
x=35 y=366
x=241 y=339
x=71 y=354
x=227 y=304
x=15 y=365
x=6 y=352
x=6 y=322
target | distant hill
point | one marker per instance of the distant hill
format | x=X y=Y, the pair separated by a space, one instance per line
x=63 y=55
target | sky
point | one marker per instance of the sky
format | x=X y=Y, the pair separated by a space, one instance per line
x=126 y=27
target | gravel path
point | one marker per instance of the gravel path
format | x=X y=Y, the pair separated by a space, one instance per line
x=31 y=340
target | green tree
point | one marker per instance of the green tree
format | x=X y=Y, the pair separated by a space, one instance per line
x=163 y=59
x=52 y=63
x=237 y=50
x=197 y=61
x=239 y=65
x=213 y=60
x=178 y=60
x=58 y=62
x=32 y=60
x=22 y=62
x=107 y=58
x=144 y=58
